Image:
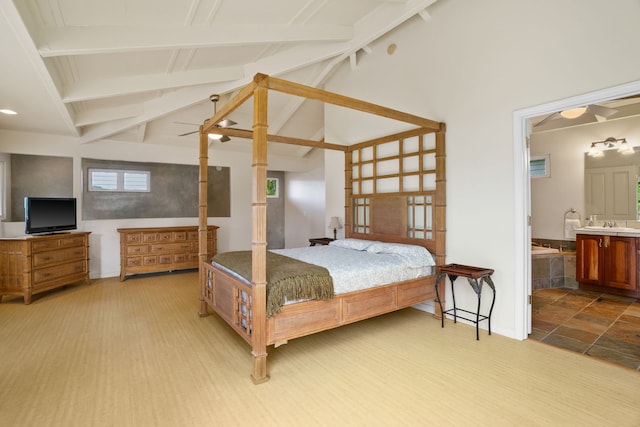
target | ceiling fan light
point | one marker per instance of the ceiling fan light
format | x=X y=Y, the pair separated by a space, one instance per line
x=215 y=136
x=573 y=112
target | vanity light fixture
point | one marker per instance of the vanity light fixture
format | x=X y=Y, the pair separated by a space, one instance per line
x=620 y=143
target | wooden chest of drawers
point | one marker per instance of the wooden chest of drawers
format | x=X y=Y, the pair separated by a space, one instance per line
x=146 y=250
x=32 y=264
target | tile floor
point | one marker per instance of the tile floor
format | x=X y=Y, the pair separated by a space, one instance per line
x=595 y=324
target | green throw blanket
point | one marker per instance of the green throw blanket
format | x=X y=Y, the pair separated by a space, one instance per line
x=287 y=278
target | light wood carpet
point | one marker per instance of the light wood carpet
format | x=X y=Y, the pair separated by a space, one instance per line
x=135 y=353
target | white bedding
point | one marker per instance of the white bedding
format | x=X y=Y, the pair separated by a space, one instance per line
x=353 y=270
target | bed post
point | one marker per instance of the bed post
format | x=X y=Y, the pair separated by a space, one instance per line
x=348 y=192
x=441 y=208
x=203 y=217
x=259 y=235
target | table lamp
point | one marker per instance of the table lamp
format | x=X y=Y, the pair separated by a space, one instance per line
x=335 y=224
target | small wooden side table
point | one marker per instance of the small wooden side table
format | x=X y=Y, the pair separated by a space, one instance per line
x=476 y=276
x=320 y=241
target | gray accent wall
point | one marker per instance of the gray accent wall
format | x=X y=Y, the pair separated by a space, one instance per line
x=174 y=192
x=38 y=176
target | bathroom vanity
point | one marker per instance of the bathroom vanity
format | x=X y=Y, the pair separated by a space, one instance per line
x=607 y=259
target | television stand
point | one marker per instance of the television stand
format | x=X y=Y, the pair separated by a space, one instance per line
x=34 y=264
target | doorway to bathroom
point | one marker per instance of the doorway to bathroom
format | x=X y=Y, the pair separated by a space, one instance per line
x=524 y=121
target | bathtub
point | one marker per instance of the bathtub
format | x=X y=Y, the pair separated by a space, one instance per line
x=539 y=250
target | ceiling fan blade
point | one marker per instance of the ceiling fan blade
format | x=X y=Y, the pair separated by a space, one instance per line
x=185 y=123
x=225 y=138
x=551 y=116
x=189 y=133
x=225 y=123
x=601 y=111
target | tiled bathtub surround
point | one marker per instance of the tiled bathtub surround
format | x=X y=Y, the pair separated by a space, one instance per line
x=554 y=271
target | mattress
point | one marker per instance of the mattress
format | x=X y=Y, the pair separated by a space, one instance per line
x=354 y=270
x=357 y=264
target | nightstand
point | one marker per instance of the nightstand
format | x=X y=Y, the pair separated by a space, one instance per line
x=320 y=241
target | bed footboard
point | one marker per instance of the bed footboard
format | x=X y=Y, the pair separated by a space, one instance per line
x=232 y=298
x=229 y=297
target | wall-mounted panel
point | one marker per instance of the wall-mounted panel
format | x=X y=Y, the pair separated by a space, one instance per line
x=38 y=176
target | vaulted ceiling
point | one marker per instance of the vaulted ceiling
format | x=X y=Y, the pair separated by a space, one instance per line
x=142 y=70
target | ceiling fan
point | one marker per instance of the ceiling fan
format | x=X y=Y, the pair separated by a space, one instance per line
x=221 y=124
x=600 y=112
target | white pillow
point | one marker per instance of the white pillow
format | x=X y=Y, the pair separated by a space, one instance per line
x=355 y=244
x=416 y=256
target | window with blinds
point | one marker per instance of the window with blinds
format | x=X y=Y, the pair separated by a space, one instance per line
x=539 y=166
x=119 y=180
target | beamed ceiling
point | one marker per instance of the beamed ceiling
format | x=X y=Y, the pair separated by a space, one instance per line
x=142 y=70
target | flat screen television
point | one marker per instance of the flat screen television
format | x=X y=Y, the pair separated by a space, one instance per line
x=49 y=214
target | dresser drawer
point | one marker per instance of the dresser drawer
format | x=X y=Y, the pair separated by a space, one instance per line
x=149 y=260
x=180 y=258
x=59 y=271
x=166 y=259
x=149 y=237
x=170 y=247
x=179 y=236
x=136 y=250
x=133 y=261
x=132 y=237
x=43 y=259
x=64 y=241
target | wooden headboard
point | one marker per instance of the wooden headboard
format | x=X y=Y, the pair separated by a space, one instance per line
x=395 y=190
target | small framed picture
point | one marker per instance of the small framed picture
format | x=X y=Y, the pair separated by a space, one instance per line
x=273 y=187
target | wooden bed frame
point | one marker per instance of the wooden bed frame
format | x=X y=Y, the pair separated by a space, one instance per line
x=414 y=213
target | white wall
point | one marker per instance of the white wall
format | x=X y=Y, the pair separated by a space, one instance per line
x=564 y=189
x=472 y=65
x=305 y=203
x=234 y=232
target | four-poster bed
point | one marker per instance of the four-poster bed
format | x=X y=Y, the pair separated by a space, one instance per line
x=394 y=192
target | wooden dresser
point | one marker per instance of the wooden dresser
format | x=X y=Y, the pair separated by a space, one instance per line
x=33 y=264
x=146 y=250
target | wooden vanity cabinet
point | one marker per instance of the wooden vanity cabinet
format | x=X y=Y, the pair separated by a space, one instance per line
x=607 y=263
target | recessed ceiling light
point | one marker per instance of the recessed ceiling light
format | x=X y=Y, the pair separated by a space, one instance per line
x=9 y=112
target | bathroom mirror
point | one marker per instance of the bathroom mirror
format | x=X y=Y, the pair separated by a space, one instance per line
x=611 y=185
